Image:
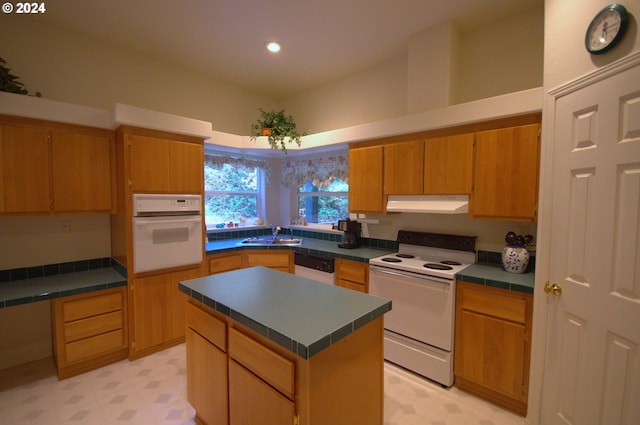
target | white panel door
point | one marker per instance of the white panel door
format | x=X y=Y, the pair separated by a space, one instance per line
x=592 y=359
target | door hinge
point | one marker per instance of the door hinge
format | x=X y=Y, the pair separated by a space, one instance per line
x=129 y=183
x=133 y=345
x=128 y=141
x=526 y=336
x=296 y=419
x=524 y=389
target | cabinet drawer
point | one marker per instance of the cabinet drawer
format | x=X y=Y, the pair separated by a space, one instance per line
x=225 y=263
x=268 y=365
x=493 y=302
x=93 y=306
x=92 y=326
x=206 y=325
x=350 y=270
x=94 y=346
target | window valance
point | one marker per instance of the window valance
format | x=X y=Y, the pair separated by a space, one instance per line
x=321 y=171
x=217 y=162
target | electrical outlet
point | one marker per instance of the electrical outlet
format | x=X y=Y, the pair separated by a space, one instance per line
x=65 y=226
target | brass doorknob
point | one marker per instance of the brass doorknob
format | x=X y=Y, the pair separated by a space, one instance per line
x=555 y=289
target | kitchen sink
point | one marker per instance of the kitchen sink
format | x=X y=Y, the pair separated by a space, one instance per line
x=270 y=241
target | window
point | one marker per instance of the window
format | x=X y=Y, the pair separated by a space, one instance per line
x=324 y=205
x=232 y=192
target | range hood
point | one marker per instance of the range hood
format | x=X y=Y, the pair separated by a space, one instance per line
x=434 y=204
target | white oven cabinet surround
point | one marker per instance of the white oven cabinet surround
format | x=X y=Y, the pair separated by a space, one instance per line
x=283 y=349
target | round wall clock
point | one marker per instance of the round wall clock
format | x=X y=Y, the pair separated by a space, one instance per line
x=606 y=29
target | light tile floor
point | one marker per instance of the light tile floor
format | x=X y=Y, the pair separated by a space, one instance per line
x=152 y=390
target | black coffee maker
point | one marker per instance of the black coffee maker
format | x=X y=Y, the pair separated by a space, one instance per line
x=352 y=230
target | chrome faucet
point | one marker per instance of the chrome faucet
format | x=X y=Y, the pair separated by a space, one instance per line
x=274 y=231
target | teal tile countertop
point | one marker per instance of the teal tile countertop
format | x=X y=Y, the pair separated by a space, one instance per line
x=309 y=245
x=299 y=314
x=26 y=291
x=493 y=275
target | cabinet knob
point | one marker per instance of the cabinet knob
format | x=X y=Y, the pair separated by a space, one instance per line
x=555 y=289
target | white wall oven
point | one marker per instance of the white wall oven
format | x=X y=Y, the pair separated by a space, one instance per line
x=167 y=231
x=420 y=281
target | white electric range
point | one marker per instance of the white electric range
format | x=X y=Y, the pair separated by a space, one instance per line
x=420 y=281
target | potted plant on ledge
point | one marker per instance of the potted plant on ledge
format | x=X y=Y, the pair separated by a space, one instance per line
x=276 y=126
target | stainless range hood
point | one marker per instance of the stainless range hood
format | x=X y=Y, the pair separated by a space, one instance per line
x=434 y=204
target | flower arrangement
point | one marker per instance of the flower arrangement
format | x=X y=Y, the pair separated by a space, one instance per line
x=277 y=126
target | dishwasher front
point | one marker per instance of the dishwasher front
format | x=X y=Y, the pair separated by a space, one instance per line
x=314 y=267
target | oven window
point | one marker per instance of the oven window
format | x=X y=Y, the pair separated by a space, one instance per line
x=232 y=193
x=323 y=205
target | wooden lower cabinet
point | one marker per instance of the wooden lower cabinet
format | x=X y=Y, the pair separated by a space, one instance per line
x=157 y=311
x=493 y=344
x=231 y=368
x=352 y=275
x=89 y=330
x=225 y=262
x=207 y=376
x=279 y=259
x=268 y=406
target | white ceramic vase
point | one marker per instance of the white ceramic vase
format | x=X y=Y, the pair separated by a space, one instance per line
x=515 y=259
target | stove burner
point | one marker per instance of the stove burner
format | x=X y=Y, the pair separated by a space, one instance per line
x=405 y=255
x=450 y=263
x=437 y=266
x=392 y=260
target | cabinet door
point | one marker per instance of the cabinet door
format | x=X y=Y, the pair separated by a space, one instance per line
x=25 y=175
x=252 y=401
x=151 y=311
x=493 y=353
x=219 y=263
x=404 y=168
x=162 y=165
x=365 y=180
x=279 y=260
x=448 y=165
x=506 y=174
x=82 y=171
x=158 y=310
x=186 y=167
x=149 y=159
x=352 y=275
x=207 y=379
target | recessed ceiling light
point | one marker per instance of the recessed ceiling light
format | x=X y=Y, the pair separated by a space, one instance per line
x=273 y=47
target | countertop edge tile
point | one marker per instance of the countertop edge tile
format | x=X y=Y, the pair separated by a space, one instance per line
x=352 y=310
x=46 y=287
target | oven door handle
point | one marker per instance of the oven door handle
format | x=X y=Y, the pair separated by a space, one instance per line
x=177 y=222
x=435 y=279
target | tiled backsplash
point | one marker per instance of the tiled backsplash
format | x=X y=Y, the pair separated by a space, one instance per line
x=59 y=268
x=333 y=237
x=490 y=257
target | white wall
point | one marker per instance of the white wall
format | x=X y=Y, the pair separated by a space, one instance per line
x=503 y=57
x=75 y=69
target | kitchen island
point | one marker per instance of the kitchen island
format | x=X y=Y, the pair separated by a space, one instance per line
x=268 y=347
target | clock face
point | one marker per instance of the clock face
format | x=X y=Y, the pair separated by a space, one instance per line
x=606 y=29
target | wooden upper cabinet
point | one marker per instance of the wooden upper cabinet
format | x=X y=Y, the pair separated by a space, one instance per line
x=448 y=165
x=506 y=173
x=25 y=176
x=403 y=168
x=162 y=165
x=365 y=180
x=149 y=159
x=83 y=165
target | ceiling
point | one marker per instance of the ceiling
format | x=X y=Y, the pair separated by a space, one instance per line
x=322 y=40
